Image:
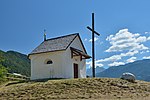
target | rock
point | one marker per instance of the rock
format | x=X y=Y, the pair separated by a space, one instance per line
x=128 y=76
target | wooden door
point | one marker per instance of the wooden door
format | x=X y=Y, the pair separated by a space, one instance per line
x=75 y=70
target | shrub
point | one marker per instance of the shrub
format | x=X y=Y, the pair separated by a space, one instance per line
x=3 y=71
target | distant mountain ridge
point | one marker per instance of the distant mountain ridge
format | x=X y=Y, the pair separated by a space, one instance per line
x=97 y=70
x=141 y=69
x=15 y=62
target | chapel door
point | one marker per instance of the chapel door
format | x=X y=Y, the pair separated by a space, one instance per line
x=75 y=70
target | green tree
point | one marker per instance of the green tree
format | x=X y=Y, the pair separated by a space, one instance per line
x=3 y=71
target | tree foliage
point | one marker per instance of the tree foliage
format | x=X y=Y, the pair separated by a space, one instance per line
x=3 y=71
x=15 y=62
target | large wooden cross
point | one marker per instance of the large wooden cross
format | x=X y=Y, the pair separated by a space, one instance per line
x=93 y=49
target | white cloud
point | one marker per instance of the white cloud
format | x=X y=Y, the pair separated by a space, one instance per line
x=130 y=53
x=141 y=39
x=142 y=52
x=147 y=32
x=85 y=39
x=112 y=58
x=95 y=39
x=89 y=64
x=129 y=44
x=125 y=40
x=109 y=37
x=148 y=38
x=136 y=35
x=132 y=59
x=146 y=57
x=118 y=57
x=99 y=65
x=116 y=64
x=96 y=64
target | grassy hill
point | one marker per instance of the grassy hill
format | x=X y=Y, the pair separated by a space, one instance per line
x=141 y=69
x=88 y=88
x=15 y=62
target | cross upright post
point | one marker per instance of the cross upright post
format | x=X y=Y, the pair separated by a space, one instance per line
x=44 y=34
x=93 y=47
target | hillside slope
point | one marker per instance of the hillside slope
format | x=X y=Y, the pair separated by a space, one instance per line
x=88 y=88
x=141 y=69
x=15 y=62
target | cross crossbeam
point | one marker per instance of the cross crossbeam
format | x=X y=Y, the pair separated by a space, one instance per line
x=93 y=47
x=92 y=30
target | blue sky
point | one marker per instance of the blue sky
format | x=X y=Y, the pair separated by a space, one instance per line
x=124 y=26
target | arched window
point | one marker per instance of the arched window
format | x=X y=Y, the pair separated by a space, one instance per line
x=48 y=61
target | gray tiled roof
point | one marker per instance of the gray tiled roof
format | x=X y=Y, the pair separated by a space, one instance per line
x=55 y=44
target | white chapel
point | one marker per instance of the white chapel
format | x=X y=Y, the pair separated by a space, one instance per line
x=60 y=57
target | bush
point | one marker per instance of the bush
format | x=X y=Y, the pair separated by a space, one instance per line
x=3 y=71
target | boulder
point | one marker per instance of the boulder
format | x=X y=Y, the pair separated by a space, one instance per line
x=128 y=76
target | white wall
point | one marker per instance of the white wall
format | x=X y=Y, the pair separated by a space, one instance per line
x=40 y=70
x=69 y=62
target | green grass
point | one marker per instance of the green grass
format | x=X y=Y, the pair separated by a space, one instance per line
x=88 y=88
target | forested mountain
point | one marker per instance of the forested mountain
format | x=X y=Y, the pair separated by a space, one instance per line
x=15 y=62
x=141 y=69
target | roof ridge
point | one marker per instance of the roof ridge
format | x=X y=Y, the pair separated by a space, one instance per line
x=62 y=36
x=55 y=44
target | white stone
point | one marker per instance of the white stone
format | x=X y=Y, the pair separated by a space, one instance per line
x=128 y=76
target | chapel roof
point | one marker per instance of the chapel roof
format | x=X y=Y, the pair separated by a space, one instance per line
x=56 y=44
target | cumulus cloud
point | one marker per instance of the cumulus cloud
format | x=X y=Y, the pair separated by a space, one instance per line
x=142 y=52
x=132 y=59
x=146 y=57
x=96 y=64
x=125 y=43
x=147 y=32
x=95 y=39
x=130 y=53
x=125 y=40
x=116 y=64
x=99 y=65
x=112 y=58
x=141 y=39
x=117 y=57
x=148 y=38
x=85 y=39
